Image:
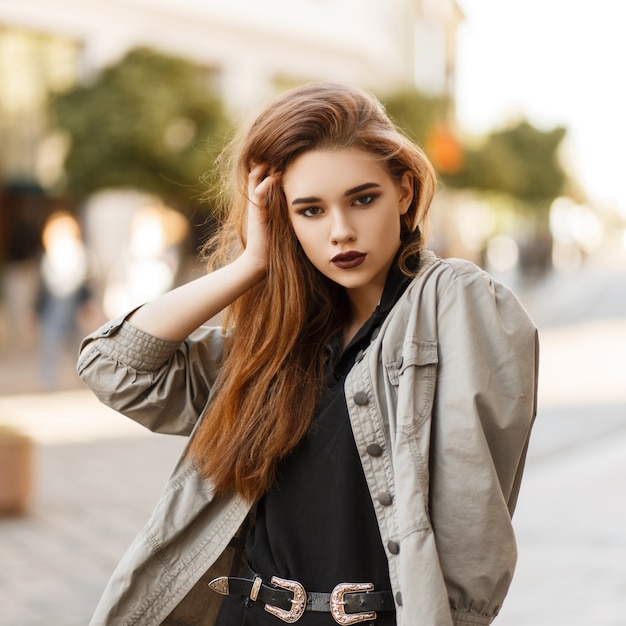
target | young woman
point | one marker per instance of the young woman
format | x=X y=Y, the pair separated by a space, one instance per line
x=358 y=424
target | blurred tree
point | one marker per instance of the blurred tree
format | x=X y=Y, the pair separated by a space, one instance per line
x=521 y=161
x=425 y=120
x=519 y=166
x=416 y=114
x=149 y=122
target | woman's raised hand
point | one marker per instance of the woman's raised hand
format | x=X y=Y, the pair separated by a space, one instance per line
x=259 y=184
x=177 y=313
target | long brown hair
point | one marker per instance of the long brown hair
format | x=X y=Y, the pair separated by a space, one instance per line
x=277 y=331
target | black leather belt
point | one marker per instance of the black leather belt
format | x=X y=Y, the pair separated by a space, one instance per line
x=348 y=603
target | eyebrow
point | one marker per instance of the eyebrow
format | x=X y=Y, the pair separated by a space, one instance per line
x=349 y=192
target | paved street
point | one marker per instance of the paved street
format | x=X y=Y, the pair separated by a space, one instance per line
x=99 y=475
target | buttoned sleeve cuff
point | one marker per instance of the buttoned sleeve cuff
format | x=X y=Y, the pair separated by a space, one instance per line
x=129 y=345
x=461 y=618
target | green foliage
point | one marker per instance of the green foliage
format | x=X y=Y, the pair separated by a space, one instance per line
x=521 y=161
x=149 y=122
x=416 y=114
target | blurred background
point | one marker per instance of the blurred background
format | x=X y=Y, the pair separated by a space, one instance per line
x=111 y=117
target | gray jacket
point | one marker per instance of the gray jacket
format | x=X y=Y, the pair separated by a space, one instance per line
x=447 y=391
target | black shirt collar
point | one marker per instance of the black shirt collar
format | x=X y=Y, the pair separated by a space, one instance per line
x=395 y=285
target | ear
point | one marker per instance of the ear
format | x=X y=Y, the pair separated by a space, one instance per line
x=405 y=192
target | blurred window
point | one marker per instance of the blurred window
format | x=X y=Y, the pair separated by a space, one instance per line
x=32 y=67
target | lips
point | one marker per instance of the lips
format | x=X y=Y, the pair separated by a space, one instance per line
x=348 y=260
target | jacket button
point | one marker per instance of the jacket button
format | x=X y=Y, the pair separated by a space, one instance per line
x=385 y=498
x=399 y=599
x=375 y=333
x=374 y=449
x=400 y=362
x=393 y=547
x=360 y=398
x=359 y=356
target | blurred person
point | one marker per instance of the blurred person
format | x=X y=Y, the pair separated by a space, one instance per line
x=63 y=293
x=21 y=209
x=359 y=423
x=147 y=267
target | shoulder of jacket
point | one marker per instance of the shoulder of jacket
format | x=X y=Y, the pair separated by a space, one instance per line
x=430 y=264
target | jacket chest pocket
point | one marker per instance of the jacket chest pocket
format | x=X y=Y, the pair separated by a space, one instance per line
x=414 y=374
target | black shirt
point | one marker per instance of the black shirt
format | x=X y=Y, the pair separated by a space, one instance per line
x=317 y=523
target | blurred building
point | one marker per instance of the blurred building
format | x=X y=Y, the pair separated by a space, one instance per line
x=252 y=49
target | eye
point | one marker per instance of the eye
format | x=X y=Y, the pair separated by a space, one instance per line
x=365 y=200
x=310 y=211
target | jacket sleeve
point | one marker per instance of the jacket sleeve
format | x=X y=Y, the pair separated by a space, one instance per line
x=163 y=385
x=485 y=404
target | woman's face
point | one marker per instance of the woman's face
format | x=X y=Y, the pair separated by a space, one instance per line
x=345 y=210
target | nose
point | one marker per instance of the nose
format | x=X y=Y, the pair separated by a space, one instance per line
x=341 y=228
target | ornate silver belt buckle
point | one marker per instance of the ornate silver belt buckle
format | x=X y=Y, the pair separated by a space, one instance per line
x=298 y=602
x=337 y=603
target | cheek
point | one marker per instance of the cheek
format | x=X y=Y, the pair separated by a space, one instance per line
x=311 y=247
x=295 y=228
x=384 y=222
x=295 y=231
x=305 y=243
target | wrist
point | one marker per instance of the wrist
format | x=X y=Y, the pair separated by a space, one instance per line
x=254 y=267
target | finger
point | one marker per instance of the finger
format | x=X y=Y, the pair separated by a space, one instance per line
x=260 y=182
x=267 y=181
x=257 y=173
